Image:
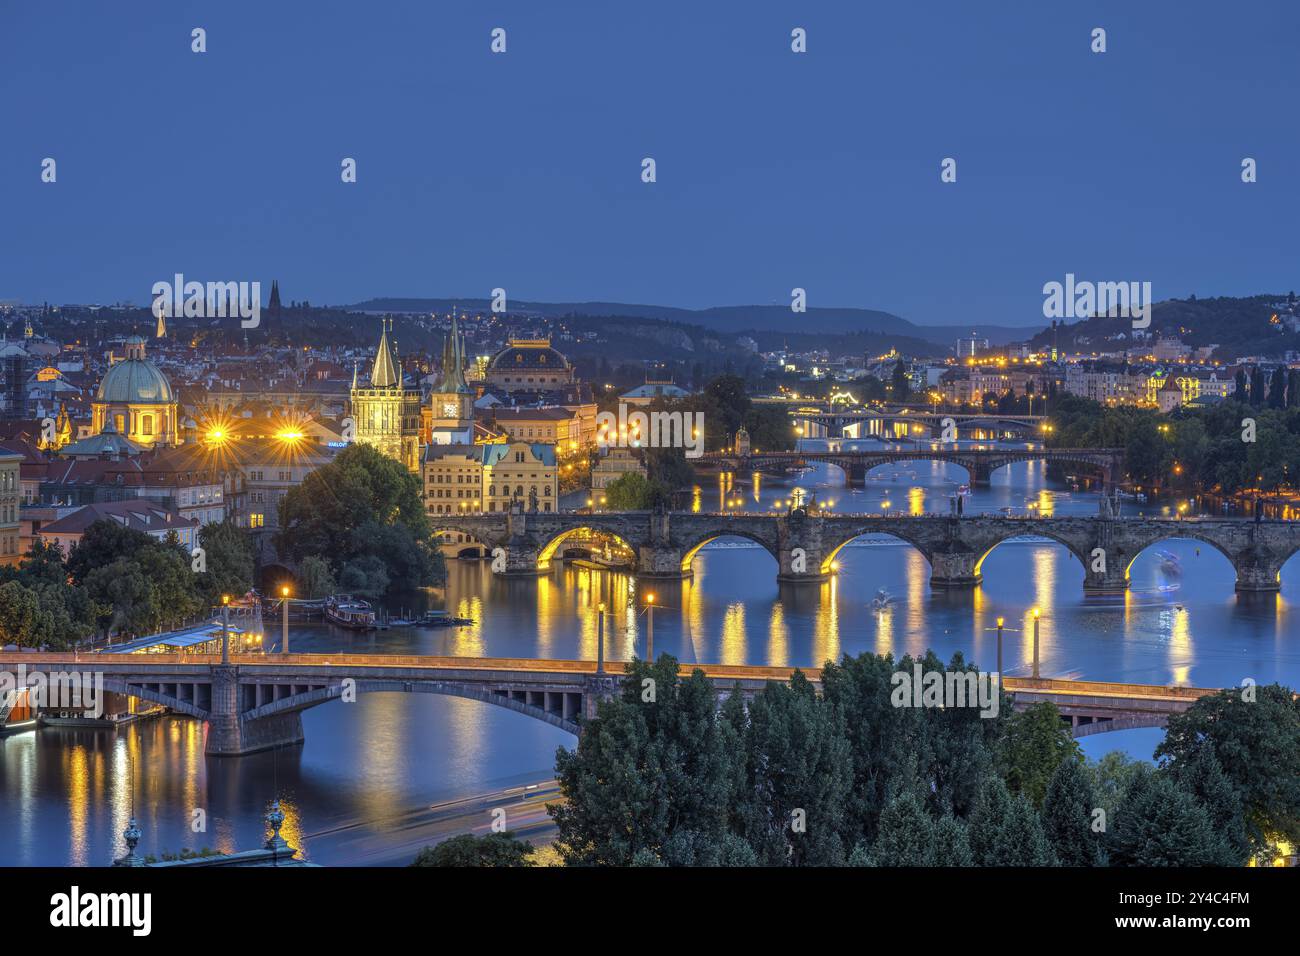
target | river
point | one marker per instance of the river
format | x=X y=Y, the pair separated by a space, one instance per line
x=362 y=787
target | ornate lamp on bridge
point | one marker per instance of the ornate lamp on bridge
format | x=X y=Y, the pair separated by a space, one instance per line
x=284 y=619
x=1036 y=613
x=600 y=638
x=225 y=628
x=650 y=627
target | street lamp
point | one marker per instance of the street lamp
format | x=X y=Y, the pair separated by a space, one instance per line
x=1000 y=623
x=1036 y=612
x=650 y=627
x=225 y=628
x=600 y=638
x=284 y=619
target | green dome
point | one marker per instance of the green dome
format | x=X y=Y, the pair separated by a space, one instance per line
x=137 y=382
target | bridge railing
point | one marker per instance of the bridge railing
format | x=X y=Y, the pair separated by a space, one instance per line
x=719 y=671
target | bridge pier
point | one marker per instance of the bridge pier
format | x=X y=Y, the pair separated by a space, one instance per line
x=855 y=475
x=1257 y=577
x=954 y=569
x=229 y=736
x=980 y=474
x=1114 y=580
x=661 y=564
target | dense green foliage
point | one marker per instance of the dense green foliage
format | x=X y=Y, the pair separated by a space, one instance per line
x=634 y=492
x=666 y=775
x=363 y=516
x=1196 y=448
x=137 y=583
x=492 y=849
x=38 y=607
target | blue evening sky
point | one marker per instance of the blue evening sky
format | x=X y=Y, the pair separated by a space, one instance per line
x=775 y=170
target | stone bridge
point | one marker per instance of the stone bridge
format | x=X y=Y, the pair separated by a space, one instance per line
x=805 y=542
x=255 y=701
x=877 y=421
x=980 y=463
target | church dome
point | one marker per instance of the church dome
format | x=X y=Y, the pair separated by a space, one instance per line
x=137 y=382
x=529 y=356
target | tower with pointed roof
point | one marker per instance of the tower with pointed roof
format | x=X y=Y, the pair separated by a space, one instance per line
x=452 y=398
x=385 y=412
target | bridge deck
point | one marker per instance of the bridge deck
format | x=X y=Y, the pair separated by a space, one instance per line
x=143 y=663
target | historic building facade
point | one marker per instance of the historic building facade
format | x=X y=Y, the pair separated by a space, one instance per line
x=385 y=413
x=452 y=399
x=528 y=365
x=137 y=399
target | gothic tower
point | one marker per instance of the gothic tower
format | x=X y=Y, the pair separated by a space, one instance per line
x=385 y=413
x=452 y=398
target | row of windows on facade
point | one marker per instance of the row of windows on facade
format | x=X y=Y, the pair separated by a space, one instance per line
x=492 y=506
x=491 y=491
x=472 y=478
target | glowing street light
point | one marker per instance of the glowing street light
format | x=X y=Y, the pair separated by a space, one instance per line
x=284 y=619
x=650 y=627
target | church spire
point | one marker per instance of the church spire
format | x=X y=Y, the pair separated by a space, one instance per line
x=385 y=372
x=453 y=361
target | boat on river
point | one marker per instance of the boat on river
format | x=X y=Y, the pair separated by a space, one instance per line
x=353 y=613
x=444 y=619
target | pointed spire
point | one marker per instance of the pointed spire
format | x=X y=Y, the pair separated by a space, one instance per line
x=384 y=374
x=453 y=378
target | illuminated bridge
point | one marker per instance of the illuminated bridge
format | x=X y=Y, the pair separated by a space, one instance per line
x=980 y=463
x=255 y=702
x=832 y=421
x=806 y=543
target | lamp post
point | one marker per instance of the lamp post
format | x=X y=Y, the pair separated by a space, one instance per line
x=600 y=638
x=284 y=619
x=1036 y=613
x=225 y=628
x=999 y=648
x=650 y=627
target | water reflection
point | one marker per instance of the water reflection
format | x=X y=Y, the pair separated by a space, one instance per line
x=359 y=789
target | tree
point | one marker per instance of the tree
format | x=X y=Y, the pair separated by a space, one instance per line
x=1160 y=824
x=900 y=383
x=906 y=836
x=1005 y=829
x=1035 y=744
x=797 y=775
x=951 y=844
x=315 y=578
x=492 y=849
x=1257 y=743
x=1068 y=809
x=1203 y=777
x=360 y=506
x=656 y=761
x=228 y=555
x=634 y=492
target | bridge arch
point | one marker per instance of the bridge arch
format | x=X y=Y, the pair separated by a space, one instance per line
x=1034 y=532
x=125 y=688
x=691 y=550
x=565 y=716
x=1178 y=535
x=831 y=555
x=547 y=551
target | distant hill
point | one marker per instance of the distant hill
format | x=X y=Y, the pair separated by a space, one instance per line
x=1238 y=325
x=730 y=319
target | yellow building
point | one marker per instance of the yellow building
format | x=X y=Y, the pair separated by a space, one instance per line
x=470 y=479
x=552 y=425
x=138 y=399
x=385 y=413
x=10 y=494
